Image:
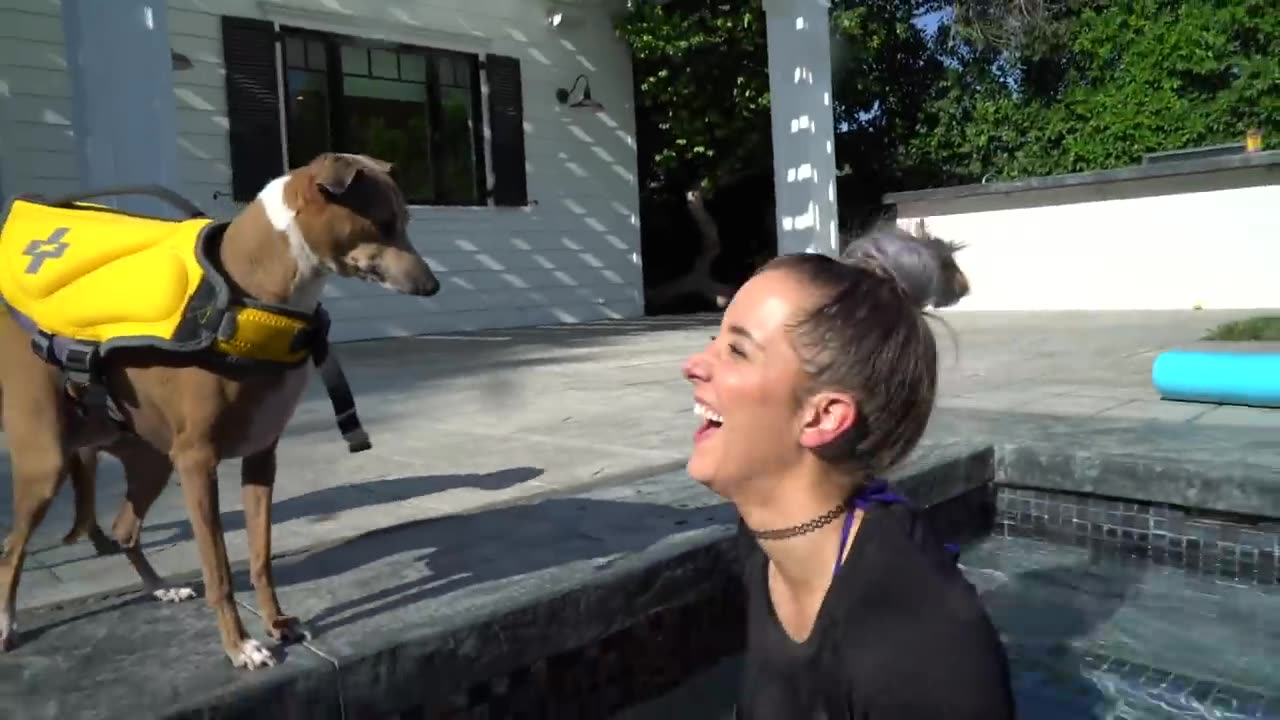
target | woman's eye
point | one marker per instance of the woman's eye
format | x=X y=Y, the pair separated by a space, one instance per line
x=733 y=347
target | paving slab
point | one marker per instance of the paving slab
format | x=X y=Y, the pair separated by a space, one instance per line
x=410 y=614
x=1217 y=467
x=461 y=422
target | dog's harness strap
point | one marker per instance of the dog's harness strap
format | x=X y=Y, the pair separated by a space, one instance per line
x=78 y=363
x=159 y=192
x=337 y=387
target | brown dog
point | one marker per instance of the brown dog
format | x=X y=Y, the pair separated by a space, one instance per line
x=339 y=214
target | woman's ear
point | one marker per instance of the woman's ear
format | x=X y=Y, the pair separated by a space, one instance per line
x=827 y=416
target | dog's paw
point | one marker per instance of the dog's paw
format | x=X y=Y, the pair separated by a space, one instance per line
x=252 y=656
x=173 y=594
x=287 y=629
x=8 y=633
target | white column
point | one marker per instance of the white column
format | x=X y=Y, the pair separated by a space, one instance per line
x=804 y=163
x=123 y=108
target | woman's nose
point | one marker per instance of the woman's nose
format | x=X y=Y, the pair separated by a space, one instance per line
x=694 y=368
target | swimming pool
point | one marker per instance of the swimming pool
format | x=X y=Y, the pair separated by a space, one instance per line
x=1096 y=637
x=1093 y=635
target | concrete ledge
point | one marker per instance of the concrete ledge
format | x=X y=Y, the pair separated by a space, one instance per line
x=521 y=607
x=1224 y=469
x=404 y=618
x=1230 y=486
x=1269 y=161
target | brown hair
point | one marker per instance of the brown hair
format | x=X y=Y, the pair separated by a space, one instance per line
x=869 y=336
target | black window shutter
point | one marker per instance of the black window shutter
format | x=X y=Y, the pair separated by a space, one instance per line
x=506 y=128
x=253 y=105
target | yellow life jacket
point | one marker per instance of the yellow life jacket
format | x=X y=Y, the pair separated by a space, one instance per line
x=97 y=275
x=85 y=280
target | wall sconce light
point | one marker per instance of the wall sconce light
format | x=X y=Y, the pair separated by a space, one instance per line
x=585 y=101
x=562 y=15
x=178 y=60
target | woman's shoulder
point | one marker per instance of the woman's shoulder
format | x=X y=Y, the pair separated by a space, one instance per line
x=908 y=611
x=911 y=579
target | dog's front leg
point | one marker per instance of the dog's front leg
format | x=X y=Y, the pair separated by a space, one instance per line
x=197 y=465
x=257 y=480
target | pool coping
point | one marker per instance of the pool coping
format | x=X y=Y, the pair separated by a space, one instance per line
x=684 y=568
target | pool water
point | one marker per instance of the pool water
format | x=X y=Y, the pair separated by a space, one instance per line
x=1093 y=638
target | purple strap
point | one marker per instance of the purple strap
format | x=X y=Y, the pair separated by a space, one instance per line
x=877 y=491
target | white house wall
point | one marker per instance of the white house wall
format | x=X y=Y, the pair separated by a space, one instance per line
x=37 y=146
x=1205 y=237
x=572 y=255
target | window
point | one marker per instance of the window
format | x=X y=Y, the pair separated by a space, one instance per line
x=418 y=108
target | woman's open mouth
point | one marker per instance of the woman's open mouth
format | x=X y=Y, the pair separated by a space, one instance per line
x=711 y=421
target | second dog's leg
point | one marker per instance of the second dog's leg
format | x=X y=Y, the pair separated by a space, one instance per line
x=257 y=479
x=146 y=472
x=82 y=467
x=197 y=466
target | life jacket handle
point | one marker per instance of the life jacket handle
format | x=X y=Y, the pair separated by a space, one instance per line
x=160 y=192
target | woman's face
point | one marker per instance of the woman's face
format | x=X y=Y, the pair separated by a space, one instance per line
x=746 y=388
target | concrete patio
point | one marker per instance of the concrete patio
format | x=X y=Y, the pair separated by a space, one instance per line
x=467 y=422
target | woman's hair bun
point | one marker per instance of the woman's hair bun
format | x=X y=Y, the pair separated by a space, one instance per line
x=923 y=266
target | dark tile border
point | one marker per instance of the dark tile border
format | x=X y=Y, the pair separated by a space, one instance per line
x=1231 y=547
x=1031 y=691
x=659 y=651
x=625 y=668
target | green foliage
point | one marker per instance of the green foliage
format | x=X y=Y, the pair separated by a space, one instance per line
x=703 y=81
x=1068 y=86
x=1259 y=328
x=1131 y=77
x=703 y=94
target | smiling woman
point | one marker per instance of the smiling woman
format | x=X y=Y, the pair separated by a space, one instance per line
x=823 y=377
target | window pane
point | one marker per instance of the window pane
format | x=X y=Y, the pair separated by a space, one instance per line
x=355 y=60
x=413 y=67
x=315 y=55
x=308 y=113
x=457 y=147
x=388 y=119
x=295 y=52
x=461 y=72
x=383 y=64
x=444 y=68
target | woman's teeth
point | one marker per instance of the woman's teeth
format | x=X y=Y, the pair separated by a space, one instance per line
x=707 y=413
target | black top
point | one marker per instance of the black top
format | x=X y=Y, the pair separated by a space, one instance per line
x=901 y=635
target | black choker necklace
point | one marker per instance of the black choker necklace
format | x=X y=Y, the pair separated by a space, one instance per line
x=803 y=528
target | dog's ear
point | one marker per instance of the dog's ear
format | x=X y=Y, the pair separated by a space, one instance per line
x=334 y=172
x=373 y=163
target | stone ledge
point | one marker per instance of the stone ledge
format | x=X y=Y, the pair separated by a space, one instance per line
x=404 y=618
x=1237 y=487
x=1214 y=468
x=1267 y=160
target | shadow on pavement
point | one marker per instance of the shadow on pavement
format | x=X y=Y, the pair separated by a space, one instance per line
x=328 y=501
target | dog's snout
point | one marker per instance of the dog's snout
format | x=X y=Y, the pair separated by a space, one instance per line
x=428 y=286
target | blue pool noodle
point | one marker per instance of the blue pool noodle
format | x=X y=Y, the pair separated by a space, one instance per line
x=1226 y=378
